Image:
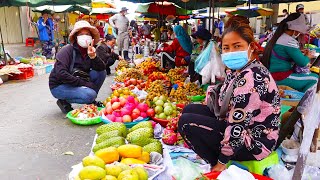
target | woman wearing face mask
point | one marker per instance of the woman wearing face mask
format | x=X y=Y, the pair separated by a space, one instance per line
x=105 y=51
x=246 y=126
x=78 y=73
x=180 y=48
x=282 y=55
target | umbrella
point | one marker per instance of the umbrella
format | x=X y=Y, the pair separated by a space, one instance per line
x=37 y=3
x=162 y=8
x=103 y=11
x=103 y=7
x=250 y=11
x=273 y=1
x=64 y=8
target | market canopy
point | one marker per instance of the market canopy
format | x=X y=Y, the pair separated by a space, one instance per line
x=64 y=8
x=249 y=12
x=196 y=4
x=162 y=8
x=37 y=3
x=273 y=1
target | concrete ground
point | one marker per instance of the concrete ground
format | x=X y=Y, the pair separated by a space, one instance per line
x=34 y=132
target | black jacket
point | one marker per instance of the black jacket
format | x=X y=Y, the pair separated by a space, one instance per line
x=105 y=53
x=60 y=74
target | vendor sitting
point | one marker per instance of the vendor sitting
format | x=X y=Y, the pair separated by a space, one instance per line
x=202 y=37
x=78 y=73
x=106 y=52
x=287 y=63
x=248 y=124
x=180 y=48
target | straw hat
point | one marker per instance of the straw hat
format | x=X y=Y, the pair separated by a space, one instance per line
x=84 y=25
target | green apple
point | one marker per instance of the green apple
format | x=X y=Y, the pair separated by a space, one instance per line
x=158 y=109
x=159 y=103
x=162 y=116
x=167 y=104
x=168 y=110
x=155 y=99
x=169 y=117
x=113 y=170
x=142 y=173
x=128 y=175
x=163 y=98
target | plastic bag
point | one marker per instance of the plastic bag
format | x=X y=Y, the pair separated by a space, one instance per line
x=279 y=172
x=186 y=170
x=204 y=58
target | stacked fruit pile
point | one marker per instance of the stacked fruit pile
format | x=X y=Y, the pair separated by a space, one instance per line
x=149 y=66
x=158 y=76
x=131 y=83
x=121 y=92
x=85 y=112
x=125 y=109
x=156 y=89
x=177 y=74
x=193 y=89
x=164 y=109
x=129 y=73
x=122 y=65
x=179 y=95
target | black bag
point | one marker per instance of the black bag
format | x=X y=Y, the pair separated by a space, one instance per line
x=77 y=72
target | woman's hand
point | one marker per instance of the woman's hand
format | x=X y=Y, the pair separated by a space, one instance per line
x=120 y=58
x=219 y=167
x=91 y=50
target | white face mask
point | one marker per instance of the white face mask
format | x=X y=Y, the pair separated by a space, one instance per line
x=295 y=36
x=84 y=40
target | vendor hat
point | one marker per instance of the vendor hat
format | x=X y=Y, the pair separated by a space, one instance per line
x=84 y=25
x=124 y=9
x=202 y=34
x=299 y=6
x=298 y=24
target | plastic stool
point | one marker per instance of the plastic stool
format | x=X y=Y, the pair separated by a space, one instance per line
x=29 y=42
x=255 y=166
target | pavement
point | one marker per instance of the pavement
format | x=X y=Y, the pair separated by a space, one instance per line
x=35 y=134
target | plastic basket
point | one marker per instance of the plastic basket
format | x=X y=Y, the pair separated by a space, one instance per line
x=49 y=68
x=128 y=125
x=85 y=122
x=39 y=70
x=27 y=73
x=162 y=122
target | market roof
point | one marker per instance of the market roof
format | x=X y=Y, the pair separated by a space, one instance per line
x=37 y=3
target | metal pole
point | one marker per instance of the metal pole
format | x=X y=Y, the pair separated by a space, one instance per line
x=2 y=44
x=210 y=6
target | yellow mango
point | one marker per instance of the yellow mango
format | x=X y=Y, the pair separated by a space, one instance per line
x=108 y=155
x=145 y=157
x=130 y=161
x=130 y=151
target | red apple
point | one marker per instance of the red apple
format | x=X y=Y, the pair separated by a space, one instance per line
x=134 y=116
x=126 y=118
x=133 y=81
x=115 y=105
x=137 y=111
x=150 y=112
x=115 y=99
x=109 y=110
x=123 y=101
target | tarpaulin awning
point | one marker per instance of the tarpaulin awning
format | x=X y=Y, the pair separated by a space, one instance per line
x=249 y=12
x=274 y=1
x=164 y=8
x=37 y=3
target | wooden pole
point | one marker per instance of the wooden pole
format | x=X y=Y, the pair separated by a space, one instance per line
x=210 y=6
x=2 y=44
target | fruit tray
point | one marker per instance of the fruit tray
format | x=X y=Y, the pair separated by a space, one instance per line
x=214 y=175
x=295 y=95
x=197 y=98
x=128 y=124
x=85 y=122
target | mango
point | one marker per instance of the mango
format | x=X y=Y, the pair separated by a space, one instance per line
x=108 y=155
x=130 y=151
x=145 y=157
x=92 y=173
x=93 y=161
x=130 y=161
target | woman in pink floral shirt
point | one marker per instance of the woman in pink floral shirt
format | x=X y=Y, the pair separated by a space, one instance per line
x=250 y=129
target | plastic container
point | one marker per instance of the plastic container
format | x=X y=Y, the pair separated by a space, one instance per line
x=290 y=147
x=295 y=95
x=27 y=73
x=39 y=70
x=128 y=125
x=162 y=122
x=49 y=68
x=85 y=122
x=214 y=175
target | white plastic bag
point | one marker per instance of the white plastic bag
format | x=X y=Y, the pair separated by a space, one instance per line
x=279 y=172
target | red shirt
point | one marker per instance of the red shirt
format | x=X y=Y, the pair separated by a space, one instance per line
x=179 y=52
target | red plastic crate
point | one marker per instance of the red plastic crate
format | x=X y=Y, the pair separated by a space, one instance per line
x=27 y=73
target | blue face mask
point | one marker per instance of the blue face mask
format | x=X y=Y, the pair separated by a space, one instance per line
x=235 y=60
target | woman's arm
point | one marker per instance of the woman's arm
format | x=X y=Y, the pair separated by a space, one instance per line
x=172 y=47
x=62 y=66
x=41 y=24
x=298 y=57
